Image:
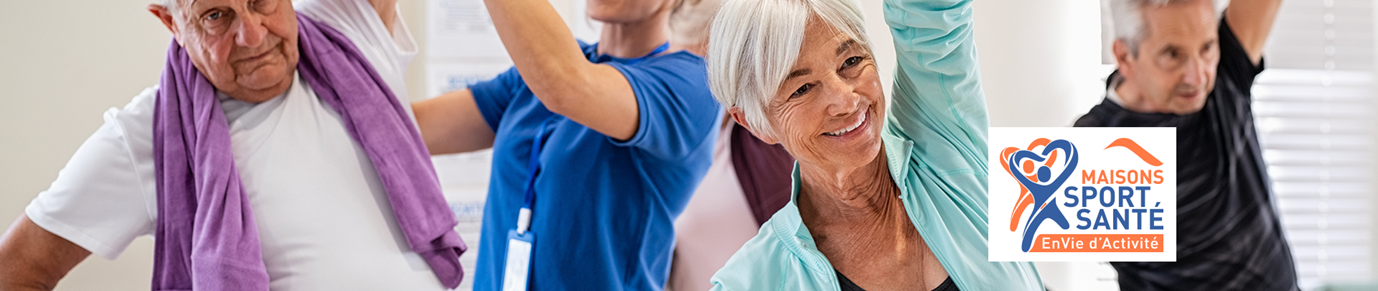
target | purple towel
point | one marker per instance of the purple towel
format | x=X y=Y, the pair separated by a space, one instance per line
x=206 y=238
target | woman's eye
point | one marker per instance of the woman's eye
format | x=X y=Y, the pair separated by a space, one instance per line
x=801 y=91
x=852 y=61
x=214 y=15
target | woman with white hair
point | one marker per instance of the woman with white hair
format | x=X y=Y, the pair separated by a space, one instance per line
x=878 y=203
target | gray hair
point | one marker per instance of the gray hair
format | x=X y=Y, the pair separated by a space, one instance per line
x=753 y=44
x=1128 y=19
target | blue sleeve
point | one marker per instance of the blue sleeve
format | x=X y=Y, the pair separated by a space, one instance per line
x=938 y=100
x=494 y=95
x=677 y=113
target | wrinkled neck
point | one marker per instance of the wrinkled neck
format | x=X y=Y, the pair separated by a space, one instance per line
x=861 y=196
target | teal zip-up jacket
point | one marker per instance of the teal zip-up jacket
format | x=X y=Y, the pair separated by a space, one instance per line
x=935 y=143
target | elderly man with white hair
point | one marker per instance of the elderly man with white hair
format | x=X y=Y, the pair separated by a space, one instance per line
x=1183 y=65
x=276 y=153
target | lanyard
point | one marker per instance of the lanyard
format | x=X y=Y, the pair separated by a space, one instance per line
x=534 y=165
x=660 y=49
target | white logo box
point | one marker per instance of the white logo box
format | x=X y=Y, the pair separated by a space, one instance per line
x=1136 y=204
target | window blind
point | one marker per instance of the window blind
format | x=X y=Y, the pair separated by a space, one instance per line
x=1314 y=106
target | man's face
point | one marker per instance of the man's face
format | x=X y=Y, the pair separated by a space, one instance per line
x=1175 y=65
x=246 y=48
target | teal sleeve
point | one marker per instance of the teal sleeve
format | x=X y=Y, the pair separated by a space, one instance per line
x=937 y=97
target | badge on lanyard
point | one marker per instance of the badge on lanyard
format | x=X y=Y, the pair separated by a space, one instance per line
x=519 y=246
x=520 y=241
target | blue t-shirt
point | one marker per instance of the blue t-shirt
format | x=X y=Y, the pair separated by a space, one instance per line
x=604 y=209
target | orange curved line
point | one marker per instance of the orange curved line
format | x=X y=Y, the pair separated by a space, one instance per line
x=1005 y=157
x=1025 y=199
x=1138 y=150
x=1038 y=142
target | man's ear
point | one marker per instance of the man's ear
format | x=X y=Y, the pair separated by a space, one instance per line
x=165 y=16
x=737 y=116
x=1123 y=57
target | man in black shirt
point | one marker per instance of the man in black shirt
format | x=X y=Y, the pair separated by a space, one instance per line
x=1181 y=66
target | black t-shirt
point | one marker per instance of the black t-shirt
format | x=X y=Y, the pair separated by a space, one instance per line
x=1228 y=234
x=848 y=285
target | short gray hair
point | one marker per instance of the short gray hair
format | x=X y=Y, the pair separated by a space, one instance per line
x=753 y=44
x=1128 y=19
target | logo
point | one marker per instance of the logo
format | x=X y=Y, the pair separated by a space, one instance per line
x=1113 y=201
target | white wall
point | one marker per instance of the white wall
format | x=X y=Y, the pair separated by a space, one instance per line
x=1040 y=60
x=63 y=64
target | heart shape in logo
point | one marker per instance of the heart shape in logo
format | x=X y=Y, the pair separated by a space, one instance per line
x=1038 y=182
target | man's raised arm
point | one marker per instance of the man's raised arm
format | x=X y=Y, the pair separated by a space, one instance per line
x=1251 y=21
x=35 y=259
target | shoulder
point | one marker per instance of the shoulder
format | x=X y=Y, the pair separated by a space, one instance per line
x=1099 y=115
x=679 y=76
x=133 y=126
x=1234 y=59
x=361 y=23
x=104 y=196
x=321 y=10
x=388 y=52
x=339 y=14
x=135 y=119
x=761 y=264
x=678 y=58
x=771 y=261
x=1089 y=120
x=682 y=66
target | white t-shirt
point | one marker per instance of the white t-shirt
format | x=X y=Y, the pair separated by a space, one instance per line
x=323 y=218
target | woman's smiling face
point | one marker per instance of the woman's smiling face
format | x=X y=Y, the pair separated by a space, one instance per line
x=829 y=110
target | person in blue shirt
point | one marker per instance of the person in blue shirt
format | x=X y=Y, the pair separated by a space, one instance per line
x=881 y=200
x=609 y=138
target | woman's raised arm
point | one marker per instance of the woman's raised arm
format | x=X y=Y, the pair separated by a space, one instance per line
x=937 y=97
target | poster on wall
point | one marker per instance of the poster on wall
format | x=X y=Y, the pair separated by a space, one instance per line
x=461 y=29
x=450 y=76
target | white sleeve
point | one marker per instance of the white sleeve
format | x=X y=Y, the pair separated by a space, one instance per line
x=104 y=197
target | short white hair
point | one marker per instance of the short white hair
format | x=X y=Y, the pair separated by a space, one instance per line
x=1128 y=19
x=753 y=44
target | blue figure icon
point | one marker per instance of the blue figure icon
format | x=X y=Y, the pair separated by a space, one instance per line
x=1043 y=189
